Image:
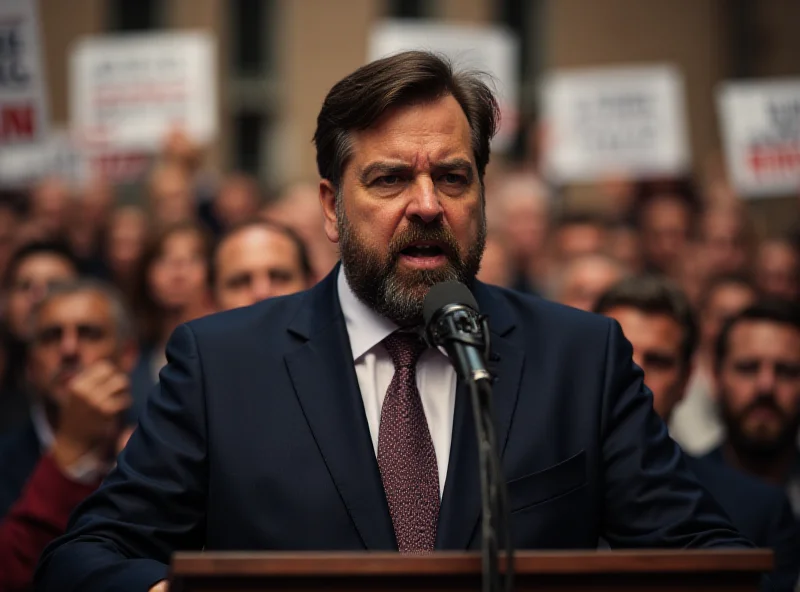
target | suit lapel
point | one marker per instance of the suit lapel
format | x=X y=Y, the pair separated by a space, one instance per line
x=461 y=502
x=326 y=385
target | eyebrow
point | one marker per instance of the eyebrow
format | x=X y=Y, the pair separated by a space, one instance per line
x=390 y=168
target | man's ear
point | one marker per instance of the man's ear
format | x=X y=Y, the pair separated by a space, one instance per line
x=327 y=197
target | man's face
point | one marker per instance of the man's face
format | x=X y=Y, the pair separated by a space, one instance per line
x=576 y=240
x=758 y=386
x=656 y=341
x=411 y=213
x=726 y=301
x=586 y=279
x=34 y=275
x=254 y=264
x=778 y=270
x=71 y=332
x=665 y=231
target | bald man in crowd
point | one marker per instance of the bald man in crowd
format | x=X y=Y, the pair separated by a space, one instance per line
x=258 y=260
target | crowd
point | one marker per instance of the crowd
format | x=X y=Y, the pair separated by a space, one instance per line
x=94 y=285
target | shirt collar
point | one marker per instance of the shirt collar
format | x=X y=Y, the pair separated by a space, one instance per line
x=365 y=327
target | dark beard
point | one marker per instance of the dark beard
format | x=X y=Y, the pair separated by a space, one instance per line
x=398 y=294
x=758 y=450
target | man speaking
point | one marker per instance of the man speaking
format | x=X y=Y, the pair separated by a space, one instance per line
x=319 y=421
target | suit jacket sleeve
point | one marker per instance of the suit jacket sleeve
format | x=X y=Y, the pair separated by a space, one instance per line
x=38 y=516
x=651 y=497
x=121 y=538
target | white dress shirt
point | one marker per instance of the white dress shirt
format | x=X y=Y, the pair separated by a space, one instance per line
x=436 y=379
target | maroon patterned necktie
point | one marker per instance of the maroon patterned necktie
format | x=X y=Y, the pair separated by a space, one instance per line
x=406 y=457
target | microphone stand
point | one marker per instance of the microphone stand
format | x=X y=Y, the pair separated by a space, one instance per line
x=495 y=514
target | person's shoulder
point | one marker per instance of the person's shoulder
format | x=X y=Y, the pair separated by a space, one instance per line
x=19 y=437
x=728 y=481
x=530 y=308
x=274 y=313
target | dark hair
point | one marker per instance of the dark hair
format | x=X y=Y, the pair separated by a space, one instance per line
x=32 y=249
x=724 y=279
x=147 y=310
x=781 y=312
x=655 y=295
x=299 y=244
x=357 y=101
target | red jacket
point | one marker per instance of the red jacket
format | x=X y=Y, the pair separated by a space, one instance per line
x=38 y=516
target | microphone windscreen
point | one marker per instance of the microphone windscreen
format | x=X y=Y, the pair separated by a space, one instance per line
x=444 y=293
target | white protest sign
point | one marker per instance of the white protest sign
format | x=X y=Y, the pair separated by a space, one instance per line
x=58 y=155
x=760 y=124
x=490 y=49
x=128 y=91
x=24 y=117
x=605 y=121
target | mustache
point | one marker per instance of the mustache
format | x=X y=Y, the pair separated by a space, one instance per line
x=765 y=401
x=418 y=232
x=66 y=367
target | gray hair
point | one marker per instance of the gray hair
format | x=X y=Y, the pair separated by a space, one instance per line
x=123 y=322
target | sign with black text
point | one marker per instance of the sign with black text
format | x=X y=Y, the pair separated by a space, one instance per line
x=614 y=121
x=23 y=100
x=760 y=125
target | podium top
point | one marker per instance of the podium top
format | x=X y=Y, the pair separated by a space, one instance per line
x=318 y=564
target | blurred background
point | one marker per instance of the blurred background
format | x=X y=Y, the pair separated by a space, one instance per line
x=659 y=136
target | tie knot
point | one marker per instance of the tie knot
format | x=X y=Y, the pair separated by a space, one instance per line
x=404 y=348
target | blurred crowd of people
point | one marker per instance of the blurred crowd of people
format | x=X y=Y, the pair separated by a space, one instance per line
x=93 y=286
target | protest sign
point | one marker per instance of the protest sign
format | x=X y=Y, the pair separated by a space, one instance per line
x=23 y=100
x=128 y=91
x=760 y=125
x=614 y=121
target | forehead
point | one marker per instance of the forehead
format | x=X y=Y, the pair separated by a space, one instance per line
x=764 y=338
x=647 y=330
x=419 y=133
x=78 y=308
x=254 y=247
x=50 y=264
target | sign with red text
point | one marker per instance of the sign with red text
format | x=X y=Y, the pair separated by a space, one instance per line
x=128 y=91
x=24 y=117
x=614 y=121
x=760 y=125
x=490 y=49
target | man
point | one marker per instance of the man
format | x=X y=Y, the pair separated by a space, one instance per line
x=757 y=374
x=31 y=271
x=778 y=269
x=657 y=319
x=258 y=260
x=696 y=424
x=81 y=347
x=311 y=422
x=236 y=202
x=584 y=279
x=576 y=235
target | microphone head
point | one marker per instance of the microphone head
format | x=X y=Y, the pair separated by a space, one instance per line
x=443 y=294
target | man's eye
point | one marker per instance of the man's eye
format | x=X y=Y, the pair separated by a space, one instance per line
x=388 y=180
x=454 y=179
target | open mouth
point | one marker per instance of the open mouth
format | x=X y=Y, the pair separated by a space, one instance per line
x=424 y=254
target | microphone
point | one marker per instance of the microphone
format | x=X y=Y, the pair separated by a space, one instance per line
x=452 y=322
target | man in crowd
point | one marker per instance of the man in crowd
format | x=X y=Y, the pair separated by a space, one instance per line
x=657 y=319
x=778 y=269
x=31 y=271
x=584 y=279
x=757 y=373
x=299 y=422
x=258 y=260
x=81 y=348
x=575 y=235
x=696 y=424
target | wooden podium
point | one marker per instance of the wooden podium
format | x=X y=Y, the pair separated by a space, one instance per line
x=609 y=571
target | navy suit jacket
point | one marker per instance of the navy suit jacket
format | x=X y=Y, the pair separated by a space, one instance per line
x=760 y=511
x=256 y=438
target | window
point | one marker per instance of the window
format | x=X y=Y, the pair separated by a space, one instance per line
x=249 y=128
x=134 y=15
x=251 y=49
x=408 y=8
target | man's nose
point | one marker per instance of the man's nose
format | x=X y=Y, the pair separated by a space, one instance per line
x=766 y=378
x=69 y=344
x=262 y=289
x=424 y=203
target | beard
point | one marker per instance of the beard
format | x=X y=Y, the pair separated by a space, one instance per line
x=395 y=293
x=763 y=442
